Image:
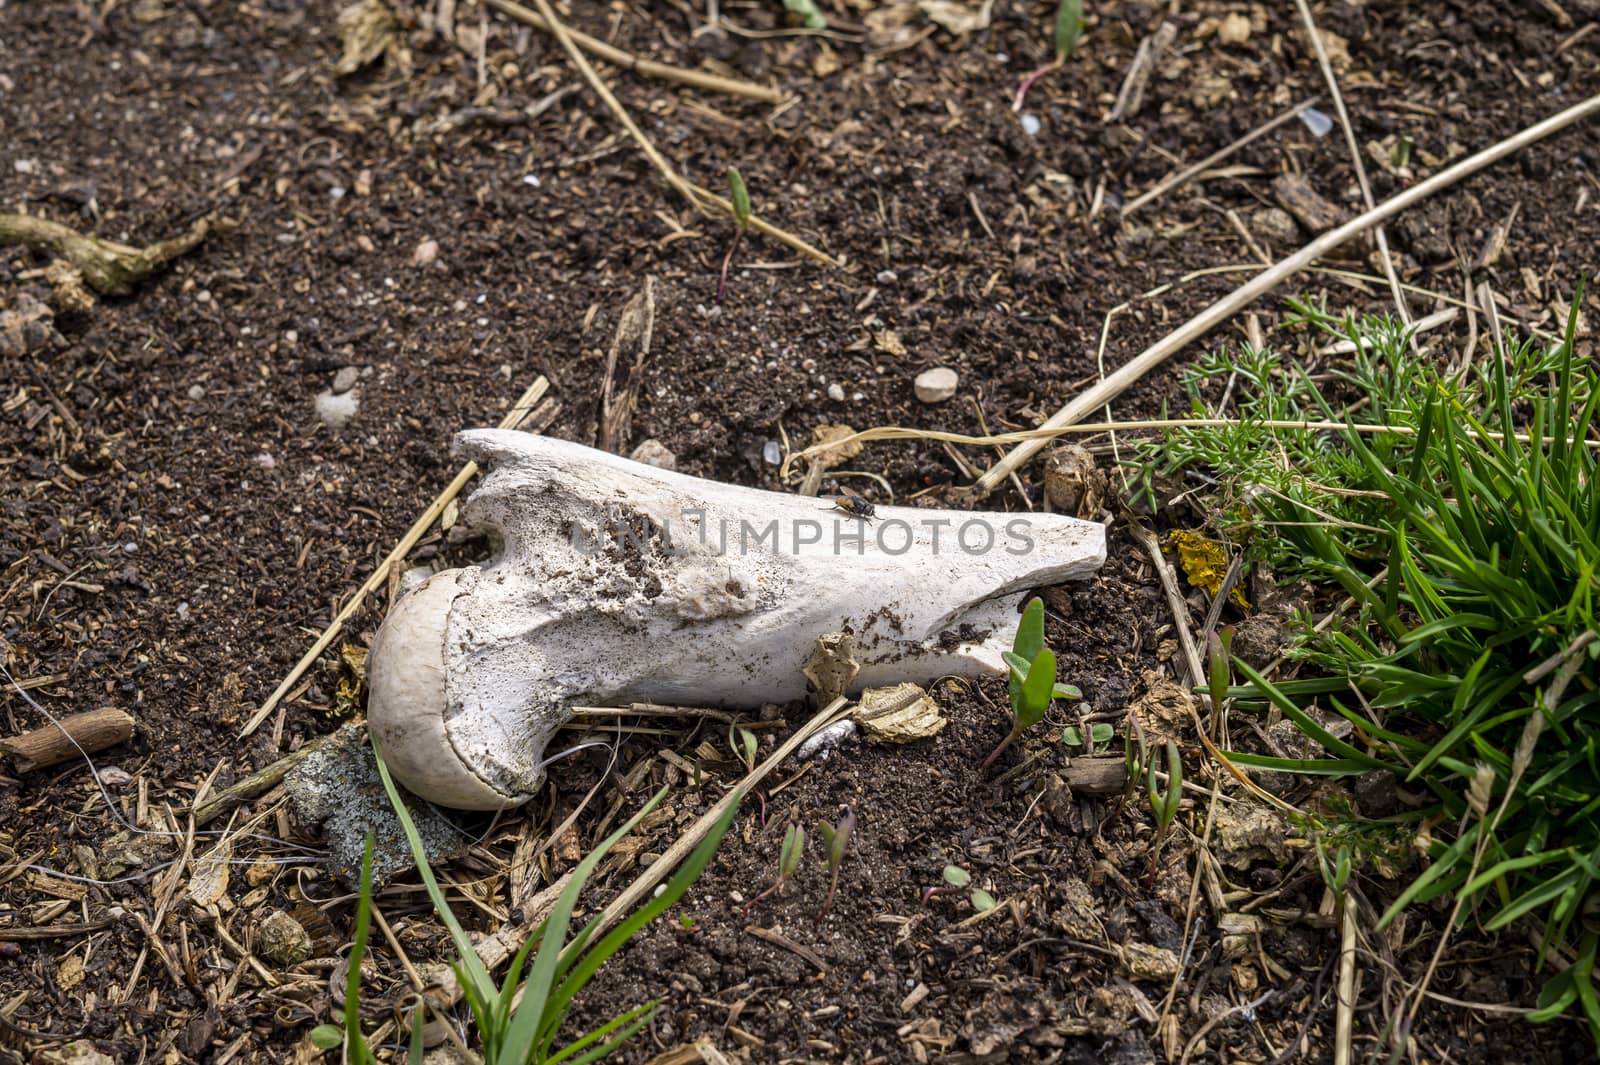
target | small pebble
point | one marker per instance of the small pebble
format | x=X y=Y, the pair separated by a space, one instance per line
x=772 y=453
x=1234 y=29
x=654 y=453
x=1031 y=125
x=425 y=253
x=114 y=777
x=887 y=277
x=197 y=391
x=936 y=385
x=836 y=392
x=265 y=461
x=1276 y=225
x=345 y=380
x=282 y=940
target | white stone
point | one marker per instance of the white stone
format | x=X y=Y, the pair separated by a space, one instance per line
x=653 y=452
x=619 y=582
x=335 y=411
x=936 y=385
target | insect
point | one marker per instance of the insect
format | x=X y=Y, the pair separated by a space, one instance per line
x=854 y=506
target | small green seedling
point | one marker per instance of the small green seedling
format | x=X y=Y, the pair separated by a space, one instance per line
x=957 y=881
x=1135 y=754
x=687 y=925
x=789 y=855
x=810 y=17
x=1069 y=27
x=1165 y=804
x=834 y=840
x=744 y=744
x=739 y=196
x=1033 y=678
x=1100 y=736
x=1218 y=675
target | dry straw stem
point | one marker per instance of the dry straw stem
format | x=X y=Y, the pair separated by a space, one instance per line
x=1048 y=432
x=514 y=417
x=499 y=947
x=1173 y=180
x=1268 y=279
x=697 y=196
x=1345 y=989
x=649 y=68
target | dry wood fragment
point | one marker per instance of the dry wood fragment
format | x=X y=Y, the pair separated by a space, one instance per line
x=111 y=269
x=1099 y=775
x=51 y=931
x=74 y=736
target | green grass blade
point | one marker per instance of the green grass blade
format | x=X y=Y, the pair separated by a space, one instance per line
x=530 y=1019
x=1310 y=727
x=587 y=1040
x=1322 y=767
x=476 y=975
x=356 y=1043
x=691 y=869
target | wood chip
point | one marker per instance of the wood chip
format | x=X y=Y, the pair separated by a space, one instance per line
x=778 y=939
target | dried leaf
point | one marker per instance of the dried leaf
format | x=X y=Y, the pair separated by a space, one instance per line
x=957 y=17
x=366 y=29
x=835 y=456
x=901 y=713
x=210 y=880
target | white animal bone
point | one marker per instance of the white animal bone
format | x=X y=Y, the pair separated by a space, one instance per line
x=616 y=581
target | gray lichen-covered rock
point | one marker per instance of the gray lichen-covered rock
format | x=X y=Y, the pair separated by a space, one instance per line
x=338 y=787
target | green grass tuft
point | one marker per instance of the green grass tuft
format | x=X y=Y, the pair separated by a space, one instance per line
x=1467 y=663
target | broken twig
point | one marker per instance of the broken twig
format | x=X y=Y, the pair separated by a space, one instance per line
x=71 y=737
x=111 y=269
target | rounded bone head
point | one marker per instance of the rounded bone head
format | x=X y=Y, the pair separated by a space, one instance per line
x=616 y=581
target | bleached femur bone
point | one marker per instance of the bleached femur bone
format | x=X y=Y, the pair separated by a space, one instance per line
x=615 y=581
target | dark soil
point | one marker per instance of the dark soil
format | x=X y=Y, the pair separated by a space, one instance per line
x=176 y=525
